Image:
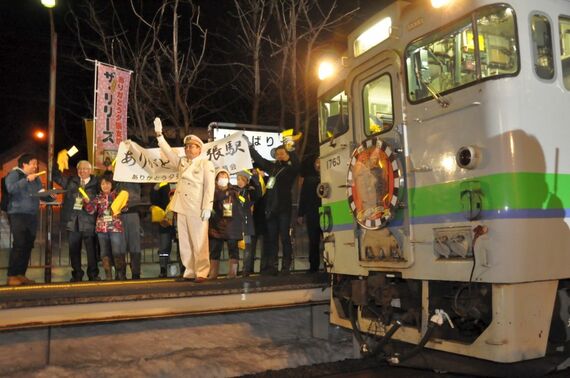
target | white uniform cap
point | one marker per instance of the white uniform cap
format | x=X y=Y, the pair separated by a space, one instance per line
x=193 y=139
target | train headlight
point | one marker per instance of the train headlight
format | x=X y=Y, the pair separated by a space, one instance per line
x=326 y=69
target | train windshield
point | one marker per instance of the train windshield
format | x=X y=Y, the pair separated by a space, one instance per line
x=480 y=46
x=333 y=115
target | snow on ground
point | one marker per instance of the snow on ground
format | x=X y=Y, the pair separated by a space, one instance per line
x=223 y=345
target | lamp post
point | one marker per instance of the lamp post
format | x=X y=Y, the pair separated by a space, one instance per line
x=51 y=131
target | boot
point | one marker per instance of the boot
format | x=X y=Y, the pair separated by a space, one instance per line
x=136 y=265
x=214 y=268
x=232 y=271
x=247 y=261
x=163 y=261
x=120 y=268
x=108 y=267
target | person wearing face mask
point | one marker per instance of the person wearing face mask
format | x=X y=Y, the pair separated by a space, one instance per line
x=278 y=203
x=192 y=203
x=80 y=224
x=226 y=224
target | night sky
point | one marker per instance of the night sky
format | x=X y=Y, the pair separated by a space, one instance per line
x=24 y=64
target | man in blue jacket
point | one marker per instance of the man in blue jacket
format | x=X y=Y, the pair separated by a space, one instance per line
x=22 y=185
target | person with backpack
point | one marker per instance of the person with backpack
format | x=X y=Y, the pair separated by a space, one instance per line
x=22 y=188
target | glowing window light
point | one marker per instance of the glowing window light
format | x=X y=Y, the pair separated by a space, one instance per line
x=326 y=70
x=372 y=36
x=439 y=3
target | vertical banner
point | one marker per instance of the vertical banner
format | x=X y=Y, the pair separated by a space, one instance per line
x=111 y=104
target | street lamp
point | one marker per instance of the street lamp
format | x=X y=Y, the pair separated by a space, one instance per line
x=51 y=131
x=39 y=134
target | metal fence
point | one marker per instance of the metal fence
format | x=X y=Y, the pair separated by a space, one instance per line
x=149 y=244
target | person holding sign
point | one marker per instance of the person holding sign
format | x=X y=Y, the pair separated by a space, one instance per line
x=278 y=204
x=192 y=202
x=79 y=223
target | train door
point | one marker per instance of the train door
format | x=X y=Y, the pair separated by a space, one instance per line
x=375 y=180
x=337 y=143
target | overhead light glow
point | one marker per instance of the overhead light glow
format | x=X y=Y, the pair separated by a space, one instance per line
x=326 y=69
x=439 y=3
x=39 y=134
x=372 y=36
x=48 y=3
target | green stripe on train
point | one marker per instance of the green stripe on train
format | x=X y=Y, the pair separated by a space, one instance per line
x=512 y=190
x=505 y=190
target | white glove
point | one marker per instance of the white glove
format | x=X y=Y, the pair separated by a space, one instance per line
x=157 y=126
x=206 y=214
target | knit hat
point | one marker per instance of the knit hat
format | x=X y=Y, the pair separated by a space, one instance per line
x=246 y=174
x=193 y=139
x=220 y=170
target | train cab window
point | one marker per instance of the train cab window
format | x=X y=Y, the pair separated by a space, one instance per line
x=542 y=47
x=378 y=109
x=333 y=115
x=565 y=49
x=463 y=53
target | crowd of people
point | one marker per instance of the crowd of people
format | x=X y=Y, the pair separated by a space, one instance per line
x=203 y=212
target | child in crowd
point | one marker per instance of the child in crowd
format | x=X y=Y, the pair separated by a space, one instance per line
x=249 y=190
x=108 y=227
x=226 y=224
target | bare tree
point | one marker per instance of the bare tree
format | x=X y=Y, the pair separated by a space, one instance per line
x=165 y=48
x=253 y=17
x=301 y=25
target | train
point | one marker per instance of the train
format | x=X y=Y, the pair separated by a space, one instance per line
x=445 y=182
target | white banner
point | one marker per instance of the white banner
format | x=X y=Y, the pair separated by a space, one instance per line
x=263 y=141
x=137 y=164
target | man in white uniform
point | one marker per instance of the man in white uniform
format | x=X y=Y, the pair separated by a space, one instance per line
x=192 y=202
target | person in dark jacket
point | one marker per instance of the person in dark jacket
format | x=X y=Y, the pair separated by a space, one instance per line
x=249 y=190
x=259 y=223
x=22 y=187
x=226 y=224
x=132 y=226
x=79 y=223
x=160 y=196
x=278 y=203
x=309 y=204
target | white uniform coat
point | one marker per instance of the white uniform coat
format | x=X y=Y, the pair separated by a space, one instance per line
x=194 y=193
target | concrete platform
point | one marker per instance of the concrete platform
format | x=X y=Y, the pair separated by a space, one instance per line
x=104 y=301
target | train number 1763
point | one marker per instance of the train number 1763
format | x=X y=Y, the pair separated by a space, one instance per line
x=333 y=162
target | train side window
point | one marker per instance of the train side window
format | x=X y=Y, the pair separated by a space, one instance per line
x=333 y=115
x=542 y=47
x=378 y=108
x=480 y=46
x=565 y=49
